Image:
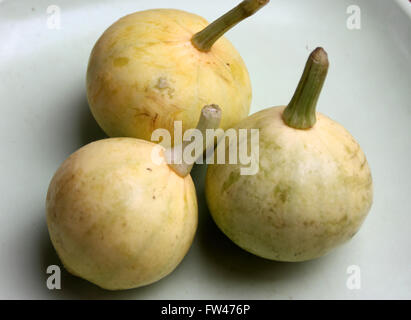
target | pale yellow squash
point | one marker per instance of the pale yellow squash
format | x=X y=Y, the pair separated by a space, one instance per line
x=118 y=217
x=154 y=67
x=313 y=189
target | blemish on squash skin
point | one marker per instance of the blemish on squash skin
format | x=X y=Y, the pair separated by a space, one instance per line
x=282 y=193
x=232 y=178
x=276 y=221
x=309 y=223
x=120 y=61
x=164 y=85
x=144 y=114
x=111 y=46
x=154 y=120
x=352 y=153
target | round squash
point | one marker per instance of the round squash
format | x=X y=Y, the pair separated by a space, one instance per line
x=152 y=68
x=120 y=218
x=313 y=188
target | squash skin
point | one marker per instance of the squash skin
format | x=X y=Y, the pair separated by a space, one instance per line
x=144 y=73
x=117 y=219
x=311 y=194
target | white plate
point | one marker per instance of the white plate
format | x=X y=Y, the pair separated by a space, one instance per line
x=45 y=117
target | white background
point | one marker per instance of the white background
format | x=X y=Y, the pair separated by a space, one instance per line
x=44 y=117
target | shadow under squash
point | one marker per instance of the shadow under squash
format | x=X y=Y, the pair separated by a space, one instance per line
x=89 y=130
x=221 y=255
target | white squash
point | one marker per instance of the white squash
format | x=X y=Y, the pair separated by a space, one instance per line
x=120 y=219
x=313 y=189
x=154 y=67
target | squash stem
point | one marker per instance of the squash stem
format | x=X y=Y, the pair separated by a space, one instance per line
x=209 y=119
x=205 y=39
x=300 y=112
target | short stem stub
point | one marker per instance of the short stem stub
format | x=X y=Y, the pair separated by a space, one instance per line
x=209 y=119
x=300 y=112
x=205 y=39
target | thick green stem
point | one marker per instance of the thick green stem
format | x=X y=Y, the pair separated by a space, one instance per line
x=300 y=112
x=205 y=39
x=209 y=119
